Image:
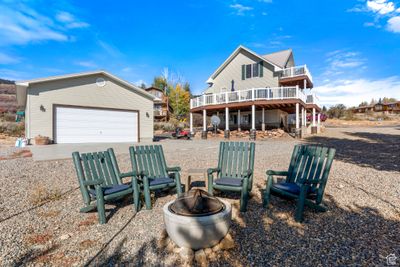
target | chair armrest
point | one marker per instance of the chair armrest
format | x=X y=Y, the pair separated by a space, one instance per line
x=277 y=173
x=246 y=174
x=174 y=169
x=127 y=174
x=93 y=182
x=212 y=170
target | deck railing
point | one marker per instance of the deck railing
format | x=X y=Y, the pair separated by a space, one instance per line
x=296 y=71
x=312 y=99
x=276 y=93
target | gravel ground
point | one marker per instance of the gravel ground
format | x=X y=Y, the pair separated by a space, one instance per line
x=40 y=223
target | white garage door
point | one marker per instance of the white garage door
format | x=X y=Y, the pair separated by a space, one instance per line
x=86 y=125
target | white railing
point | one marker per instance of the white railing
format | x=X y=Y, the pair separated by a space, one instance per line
x=296 y=71
x=312 y=98
x=276 y=93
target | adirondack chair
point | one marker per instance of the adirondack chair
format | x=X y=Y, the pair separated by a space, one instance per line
x=148 y=162
x=305 y=179
x=234 y=171
x=100 y=180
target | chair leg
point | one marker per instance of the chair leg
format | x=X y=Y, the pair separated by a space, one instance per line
x=146 y=192
x=87 y=208
x=101 y=210
x=178 y=184
x=210 y=184
x=136 y=195
x=300 y=204
x=267 y=192
x=244 y=196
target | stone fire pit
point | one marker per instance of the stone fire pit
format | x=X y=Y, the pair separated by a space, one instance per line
x=197 y=220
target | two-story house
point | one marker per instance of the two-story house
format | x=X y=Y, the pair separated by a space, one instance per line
x=162 y=109
x=255 y=92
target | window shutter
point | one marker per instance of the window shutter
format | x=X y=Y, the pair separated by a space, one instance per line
x=261 y=69
x=243 y=72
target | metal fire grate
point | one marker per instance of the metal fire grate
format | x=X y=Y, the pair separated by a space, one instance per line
x=196 y=203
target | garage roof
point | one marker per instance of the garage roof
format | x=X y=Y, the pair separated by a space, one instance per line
x=26 y=83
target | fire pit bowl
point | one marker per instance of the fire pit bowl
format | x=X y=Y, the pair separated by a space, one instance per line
x=197 y=220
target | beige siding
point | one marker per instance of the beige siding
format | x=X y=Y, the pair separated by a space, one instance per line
x=290 y=62
x=83 y=91
x=233 y=71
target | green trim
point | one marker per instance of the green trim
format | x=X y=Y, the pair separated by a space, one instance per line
x=243 y=72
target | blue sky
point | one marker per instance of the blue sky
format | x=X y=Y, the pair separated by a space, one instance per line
x=352 y=47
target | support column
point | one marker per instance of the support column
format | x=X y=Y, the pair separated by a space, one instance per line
x=191 y=123
x=313 y=117
x=302 y=117
x=305 y=84
x=253 y=131
x=239 y=121
x=204 y=132
x=227 y=132
x=297 y=131
x=263 y=120
x=319 y=123
x=314 y=128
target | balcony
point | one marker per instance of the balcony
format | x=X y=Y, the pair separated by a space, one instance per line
x=313 y=99
x=158 y=113
x=299 y=75
x=254 y=94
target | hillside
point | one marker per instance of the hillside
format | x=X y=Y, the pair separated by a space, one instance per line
x=8 y=99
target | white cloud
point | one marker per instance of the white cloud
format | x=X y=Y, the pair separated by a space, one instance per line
x=382 y=7
x=394 y=24
x=86 y=64
x=22 y=25
x=110 y=49
x=353 y=92
x=7 y=59
x=70 y=21
x=240 y=9
x=339 y=61
x=264 y=13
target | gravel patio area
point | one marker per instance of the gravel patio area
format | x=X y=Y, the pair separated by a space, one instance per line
x=40 y=223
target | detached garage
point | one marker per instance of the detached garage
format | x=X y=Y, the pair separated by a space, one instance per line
x=91 y=107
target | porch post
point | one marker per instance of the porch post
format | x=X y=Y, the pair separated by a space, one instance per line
x=191 y=123
x=253 y=131
x=263 y=120
x=226 y=133
x=239 y=120
x=302 y=117
x=297 y=132
x=313 y=117
x=305 y=84
x=305 y=117
x=319 y=123
x=204 y=132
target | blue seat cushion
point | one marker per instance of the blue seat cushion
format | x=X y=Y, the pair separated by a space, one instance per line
x=159 y=181
x=111 y=189
x=228 y=181
x=291 y=188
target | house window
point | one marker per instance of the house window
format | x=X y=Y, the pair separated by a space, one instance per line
x=233 y=119
x=255 y=70
x=248 y=71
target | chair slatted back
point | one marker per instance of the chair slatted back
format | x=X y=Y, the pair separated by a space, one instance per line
x=94 y=166
x=235 y=158
x=311 y=163
x=149 y=160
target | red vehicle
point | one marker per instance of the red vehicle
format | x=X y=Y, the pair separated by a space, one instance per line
x=323 y=117
x=181 y=134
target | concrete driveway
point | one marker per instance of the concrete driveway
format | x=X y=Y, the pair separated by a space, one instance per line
x=64 y=151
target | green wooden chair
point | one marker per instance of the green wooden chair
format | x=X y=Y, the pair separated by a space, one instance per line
x=234 y=171
x=100 y=180
x=148 y=162
x=305 y=179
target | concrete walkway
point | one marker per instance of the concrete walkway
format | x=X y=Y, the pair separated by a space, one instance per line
x=64 y=151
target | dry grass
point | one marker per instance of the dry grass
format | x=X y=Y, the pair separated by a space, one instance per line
x=24 y=153
x=91 y=220
x=38 y=239
x=86 y=244
x=49 y=214
x=41 y=194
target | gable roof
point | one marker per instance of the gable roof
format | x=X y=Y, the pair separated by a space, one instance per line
x=136 y=89
x=279 y=58
x=233 y=55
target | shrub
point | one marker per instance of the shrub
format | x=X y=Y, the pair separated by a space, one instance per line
x=165 y=126
x=41 y=194
x=12 y=128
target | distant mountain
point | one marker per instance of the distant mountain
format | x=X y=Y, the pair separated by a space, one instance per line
x=4 y=81
x=8 y=98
